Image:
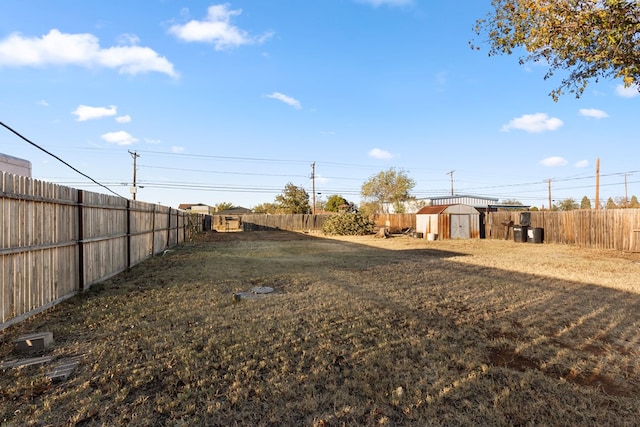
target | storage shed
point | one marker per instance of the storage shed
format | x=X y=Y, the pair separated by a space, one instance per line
x=448 y=222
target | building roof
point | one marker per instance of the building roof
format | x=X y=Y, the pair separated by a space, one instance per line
x=187 y=206
x=462 y=196
x=237 y=210
x=463 y=199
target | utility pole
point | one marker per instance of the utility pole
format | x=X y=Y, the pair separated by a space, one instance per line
x=450 y=173
x=549 y=189
x=135 y=155
x=598 y=183
x=313 y=186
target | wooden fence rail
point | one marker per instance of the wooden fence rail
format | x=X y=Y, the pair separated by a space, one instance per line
x=57 y=241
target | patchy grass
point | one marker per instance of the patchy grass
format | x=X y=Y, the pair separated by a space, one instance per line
x=359 y=331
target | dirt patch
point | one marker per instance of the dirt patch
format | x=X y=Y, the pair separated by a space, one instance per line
x=508 y=358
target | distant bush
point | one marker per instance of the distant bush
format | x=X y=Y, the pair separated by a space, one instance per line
x=348 y=224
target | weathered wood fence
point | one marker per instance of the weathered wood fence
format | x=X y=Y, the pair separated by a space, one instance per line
x=396 y=223
x=57 y=241
x=300 y=222
x=290 y=222
x=617 y=229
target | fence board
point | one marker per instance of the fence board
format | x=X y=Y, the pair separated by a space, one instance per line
x=396 y=223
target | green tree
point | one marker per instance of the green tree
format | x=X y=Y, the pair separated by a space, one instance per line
x=633 y=203
x=388 y=187
x=587 y=39
x=611 y=204
x=223 y=206
x=267 y=208
x=585 y=203
x=368 y=208
x=567 y=205
x=334 y=202
x=293 y=200
x=512 y=202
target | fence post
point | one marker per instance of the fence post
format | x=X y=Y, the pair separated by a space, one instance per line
x=128 y=233
x=153 y=229
x=80 y=242
x=168 y=228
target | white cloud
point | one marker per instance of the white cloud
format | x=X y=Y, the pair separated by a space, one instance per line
x=151 y=141
x=377 y=3
x=42 y=103
x=123 y=119
x=119 y=138
x=83 y=50
x=534 y=123
x=378 y=153
x=628 y=92
x=593 y=113
x=286 y=99
x=177 y=149
x=582 y=164
x=85 y=112
x=554 y=161
x=216 y=28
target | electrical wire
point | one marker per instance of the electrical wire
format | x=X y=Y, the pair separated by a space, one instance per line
x=489 y=190
x=59 y=159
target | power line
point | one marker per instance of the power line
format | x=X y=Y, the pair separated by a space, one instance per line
x=59 y=159
x=220 y=172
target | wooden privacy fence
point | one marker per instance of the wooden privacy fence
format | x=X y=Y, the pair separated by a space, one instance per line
x=396 y=223
x=603 y=229
x=290 y=222
x=57 y=241
x=300 y=222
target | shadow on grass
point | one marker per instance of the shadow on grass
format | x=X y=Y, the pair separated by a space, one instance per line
x=355 y=335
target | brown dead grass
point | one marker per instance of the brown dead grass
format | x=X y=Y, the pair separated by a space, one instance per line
x=359 y=331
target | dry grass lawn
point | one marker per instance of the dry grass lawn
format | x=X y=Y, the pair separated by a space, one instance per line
x=359 y=331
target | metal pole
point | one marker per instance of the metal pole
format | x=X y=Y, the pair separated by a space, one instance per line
x=313 y=184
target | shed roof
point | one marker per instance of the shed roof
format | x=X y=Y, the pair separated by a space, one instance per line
x=432 y=210
x=455 y=208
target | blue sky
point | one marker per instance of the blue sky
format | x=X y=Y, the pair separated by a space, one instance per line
x=228 y=102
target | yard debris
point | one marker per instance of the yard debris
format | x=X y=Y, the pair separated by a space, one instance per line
x=33 y=343
x=19 y=363
x=64 y=368
x=36 y=344
x=262 y=290
x=383 y=233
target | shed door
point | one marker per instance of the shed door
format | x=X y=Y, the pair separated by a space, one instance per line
x=460 y=227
